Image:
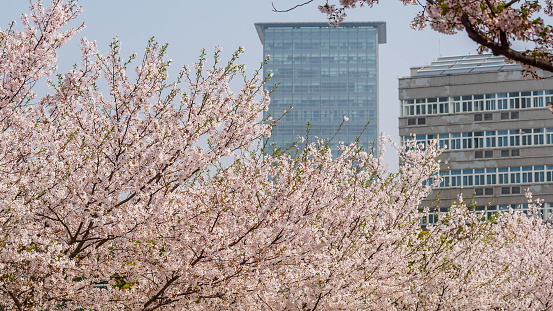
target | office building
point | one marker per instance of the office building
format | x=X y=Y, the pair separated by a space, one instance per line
x=495 y=123
x=325 y=73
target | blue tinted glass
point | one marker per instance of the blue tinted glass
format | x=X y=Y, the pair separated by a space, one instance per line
x=326 y=74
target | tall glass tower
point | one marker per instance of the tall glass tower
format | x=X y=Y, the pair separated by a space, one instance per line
x=325 y=73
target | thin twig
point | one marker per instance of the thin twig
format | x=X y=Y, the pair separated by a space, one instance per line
x=290 y=9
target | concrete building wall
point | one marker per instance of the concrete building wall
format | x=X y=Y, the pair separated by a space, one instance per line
x=519 y=118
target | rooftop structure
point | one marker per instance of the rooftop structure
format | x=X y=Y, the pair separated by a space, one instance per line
x=466 y=64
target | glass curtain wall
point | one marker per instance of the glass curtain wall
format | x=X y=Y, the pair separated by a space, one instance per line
x=325 y=74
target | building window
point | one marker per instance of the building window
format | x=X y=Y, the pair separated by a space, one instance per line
x=479 y=177
x=491 y=177
x=502 y=138
x=490 y=102
x=502 y=101
x=514 y=138
x=538 y=136
x=416 y=121
x=503 y=175
x=478 y=103
x=498 y=176
x=483 y=191
x=467 y=140
x=549 y=136
x=526 y=135
x=490 y=139
x=443 y=140
x=483 y=154
x=456 y=141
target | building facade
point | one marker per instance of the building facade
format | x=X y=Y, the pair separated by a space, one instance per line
x=495 y=123
x=325 y=73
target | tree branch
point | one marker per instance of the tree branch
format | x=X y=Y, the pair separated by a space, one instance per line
x=160 y=293
x=290 y=9
x=503 y=48
x=492 y=9
x=510 y=3
x=16 y=301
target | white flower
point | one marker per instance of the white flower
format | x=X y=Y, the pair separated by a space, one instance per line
x=346 y=119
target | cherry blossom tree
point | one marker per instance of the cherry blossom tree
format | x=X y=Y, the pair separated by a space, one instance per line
x=112 y=197
x=493 y=24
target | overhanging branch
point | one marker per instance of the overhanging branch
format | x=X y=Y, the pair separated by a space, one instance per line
x=503 y=48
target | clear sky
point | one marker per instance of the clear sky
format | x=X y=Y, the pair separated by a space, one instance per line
x=190 y=25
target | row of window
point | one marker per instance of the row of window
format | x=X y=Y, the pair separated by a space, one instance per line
x=496 y=176
x=488 y=212
x=330 y=89
x=303 y=116
x=478 y=117
x=336 y=70
x=489 y=139
x=310 y=44
x=312 y=61
x=329 y=58
x=314 y=74
x=321 y=32
x=513 y=115
x=322 y=76
x=470 y=103
x=316 y=99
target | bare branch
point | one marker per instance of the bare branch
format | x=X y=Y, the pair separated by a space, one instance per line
x=290 y=9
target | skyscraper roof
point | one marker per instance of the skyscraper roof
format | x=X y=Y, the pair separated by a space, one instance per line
x=380 y=25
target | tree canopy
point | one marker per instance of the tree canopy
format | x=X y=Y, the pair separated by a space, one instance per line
x=112 y=197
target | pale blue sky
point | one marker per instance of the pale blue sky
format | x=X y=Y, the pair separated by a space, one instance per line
x=190 y=25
